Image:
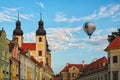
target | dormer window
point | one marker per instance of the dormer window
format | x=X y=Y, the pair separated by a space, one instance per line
x=73 y=68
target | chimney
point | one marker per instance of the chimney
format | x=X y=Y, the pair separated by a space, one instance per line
x=95 y=59
x=67 y=64
x=83 y=63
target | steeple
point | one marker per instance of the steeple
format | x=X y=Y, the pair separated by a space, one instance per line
x=18 y=30
x=40 y=30
x=40 y=23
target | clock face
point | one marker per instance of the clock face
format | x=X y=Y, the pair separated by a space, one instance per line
x=40 y=46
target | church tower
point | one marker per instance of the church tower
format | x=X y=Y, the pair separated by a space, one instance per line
x=41 y=42
x=18 y=33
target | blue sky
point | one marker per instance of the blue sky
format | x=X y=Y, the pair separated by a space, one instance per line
x=63 y=21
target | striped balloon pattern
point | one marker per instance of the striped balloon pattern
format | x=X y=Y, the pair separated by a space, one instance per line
x=89 y=28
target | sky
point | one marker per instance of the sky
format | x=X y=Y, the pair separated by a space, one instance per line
x=63 y=22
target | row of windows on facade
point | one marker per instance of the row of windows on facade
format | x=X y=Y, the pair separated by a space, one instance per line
x=115 y=77
x=99 y=78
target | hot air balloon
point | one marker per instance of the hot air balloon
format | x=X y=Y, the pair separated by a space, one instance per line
x=89 y=28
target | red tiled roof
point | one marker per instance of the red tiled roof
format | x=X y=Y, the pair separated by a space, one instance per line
x=56 y=78
x=30 y=46
x=114 y=44
x=37 y=62
x=79 y=66
x=100 y=63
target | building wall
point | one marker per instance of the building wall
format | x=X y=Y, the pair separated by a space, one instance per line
x=114 y=67
x=64 y=76
x=41 y=46
x=48 y=73
x=27 y=68
x=73 y=72
x=20 y=40
x=100 y=75
x=4 y=56
x=48 y=59
x=14 y=62
x=33 y=53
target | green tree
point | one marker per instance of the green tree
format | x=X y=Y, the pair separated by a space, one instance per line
x=113 y=36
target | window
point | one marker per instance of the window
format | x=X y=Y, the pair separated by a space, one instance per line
x=108 y=60
x=40 y=39
x=115 y=75
x=114 y=59
x=73 y=68
x=47 y=60
x=73 y=75
x=3 y=52
x=105 y=77
x=109 y=76
x=40 y=53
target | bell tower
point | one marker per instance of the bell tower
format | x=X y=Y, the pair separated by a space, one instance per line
x=18 y=33
x=41 y=42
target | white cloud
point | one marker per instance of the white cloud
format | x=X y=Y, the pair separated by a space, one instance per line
x=41 y=5
x=62 y=38
x=112 y=11
x=10 y=14
x=99 y=41
x=6 y=17
x=78 y=45
x=26 y=16
x=29 y=37
x=60 y=17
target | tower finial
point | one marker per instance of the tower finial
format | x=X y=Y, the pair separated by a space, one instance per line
x=18 y=15
x=2 y=28
x=41 y=16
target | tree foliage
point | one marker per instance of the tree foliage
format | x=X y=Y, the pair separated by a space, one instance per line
x=113 y=36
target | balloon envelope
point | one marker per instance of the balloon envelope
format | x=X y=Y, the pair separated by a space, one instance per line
x=89 y=28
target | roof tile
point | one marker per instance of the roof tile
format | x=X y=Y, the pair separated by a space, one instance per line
x=100 y=63
x=30 y=46
x=114 y=44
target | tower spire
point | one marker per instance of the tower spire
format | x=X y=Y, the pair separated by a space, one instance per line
x=40 y=16
x=18 y=15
